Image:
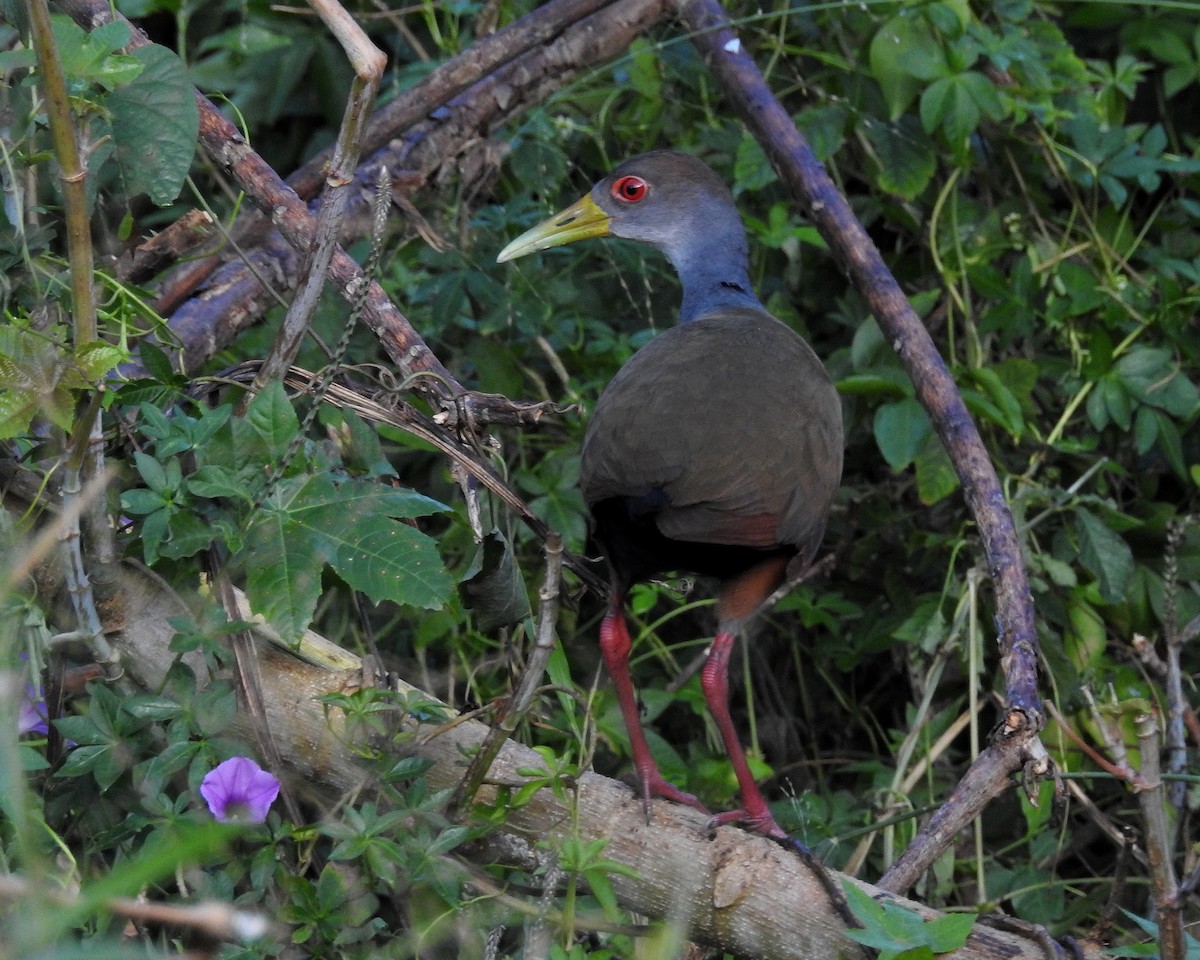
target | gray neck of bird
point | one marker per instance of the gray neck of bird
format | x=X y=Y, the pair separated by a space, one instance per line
x=714 y=276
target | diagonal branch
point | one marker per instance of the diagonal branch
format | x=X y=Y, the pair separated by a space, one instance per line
x=829 y=210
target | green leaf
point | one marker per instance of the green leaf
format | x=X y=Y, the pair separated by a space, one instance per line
x=273 y=419
x=936 y=478
x=96 y=360
x=1106 y=556
x=902 y=52
x=152 y=472
x=213 y=482
x=1117 y=402
x=34 y=382
x=147 y=706
x=907 y=157
x=1007 y=406
x=900 y=431
x=947 y=104
x=751 y=169
x=496 y=594
x=949 y=932
x=355 y=527
x=392 y=561
x=283 y=565
x=141 y=501
x=155 y=125
x=92 y=57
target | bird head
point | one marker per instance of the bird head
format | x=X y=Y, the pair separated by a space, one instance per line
x=667 y=199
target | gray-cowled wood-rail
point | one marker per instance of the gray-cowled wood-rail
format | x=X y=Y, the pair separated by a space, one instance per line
x=717 y=449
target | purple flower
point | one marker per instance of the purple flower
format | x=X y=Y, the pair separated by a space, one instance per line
x=239 y=790
x=33 y=712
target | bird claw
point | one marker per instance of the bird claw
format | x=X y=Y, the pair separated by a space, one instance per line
x=759 y=821
x=654 y=785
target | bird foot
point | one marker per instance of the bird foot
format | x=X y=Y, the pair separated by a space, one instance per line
x=759 y=821
x=653 y=785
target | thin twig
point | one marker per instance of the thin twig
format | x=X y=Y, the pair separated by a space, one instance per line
x=214 y=919
x=368 y=62
x=1152 y=800
x=518 y=704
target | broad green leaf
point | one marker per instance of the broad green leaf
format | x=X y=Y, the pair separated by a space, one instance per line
x=936 y=478
x=496 y=594
x=155 y=125
x=903 y=52
x=824 y=128
x=272 y=417
x=96 y=360
x=147 y=706
x=92 y=57
x=907 y=157
x=212 y=482
x=949 y=932
x=900 y=430
x=1105 y=555
x=311 y=522
x=151 y=471
x=284 y=563
x=392 y=561
x=751 y=169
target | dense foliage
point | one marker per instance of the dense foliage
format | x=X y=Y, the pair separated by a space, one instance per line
x=1030 y=173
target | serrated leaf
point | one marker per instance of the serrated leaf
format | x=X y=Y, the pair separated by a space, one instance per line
x=393 y=561
x=98 y=359
x=751 y=168
x=283 y=575
x=155 y=125
x=907 y=157
x=824 y=128
x=310 y=522
x=1106 y=556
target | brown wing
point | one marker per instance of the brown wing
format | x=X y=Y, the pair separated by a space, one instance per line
x=734 y=418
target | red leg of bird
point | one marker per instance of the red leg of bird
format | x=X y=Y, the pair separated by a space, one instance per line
x=715 y=680
x=614 y=647
x=738 y=601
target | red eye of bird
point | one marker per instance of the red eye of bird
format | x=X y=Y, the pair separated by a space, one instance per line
x=630 y=189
